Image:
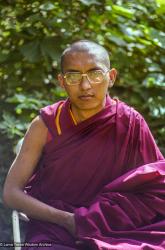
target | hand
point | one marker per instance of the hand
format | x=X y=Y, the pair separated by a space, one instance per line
x=65 y=219
x=70 y=224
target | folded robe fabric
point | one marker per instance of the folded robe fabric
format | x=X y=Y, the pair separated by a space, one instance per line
x=107 y=170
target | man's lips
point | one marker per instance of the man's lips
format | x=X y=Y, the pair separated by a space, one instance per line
x=86 y=96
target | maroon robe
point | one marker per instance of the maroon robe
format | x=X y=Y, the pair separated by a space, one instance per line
x=107 y=170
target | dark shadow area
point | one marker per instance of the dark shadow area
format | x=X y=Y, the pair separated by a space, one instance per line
x=6 y=158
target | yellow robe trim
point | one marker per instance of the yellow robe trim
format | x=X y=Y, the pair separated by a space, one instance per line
x=75 y=123
x=57 y=120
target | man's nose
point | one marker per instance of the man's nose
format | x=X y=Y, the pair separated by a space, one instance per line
x=85 y=84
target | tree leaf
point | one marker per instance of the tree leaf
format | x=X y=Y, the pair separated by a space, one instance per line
x=161 y=6
x=47 y=6
x=50 y=47
x=123 y=11
x=89 y=2
x=31 y=51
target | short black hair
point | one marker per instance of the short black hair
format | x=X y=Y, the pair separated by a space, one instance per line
x=84 y=46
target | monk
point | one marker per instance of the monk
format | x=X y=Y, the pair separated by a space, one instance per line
x=89 y=174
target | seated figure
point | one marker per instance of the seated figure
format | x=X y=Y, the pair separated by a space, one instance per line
x=89 y=174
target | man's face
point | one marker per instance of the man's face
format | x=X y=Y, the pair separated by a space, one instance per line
x=85 y=96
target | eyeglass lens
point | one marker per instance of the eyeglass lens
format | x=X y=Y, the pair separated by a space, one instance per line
x=96 y=76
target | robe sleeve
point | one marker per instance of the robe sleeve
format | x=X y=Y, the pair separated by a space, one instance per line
x=132 y=201
x=147 y=150
x=140 y=148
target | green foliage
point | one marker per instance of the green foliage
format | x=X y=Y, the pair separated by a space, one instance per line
x=34 y=33
x=12 y=126
x=161 y=6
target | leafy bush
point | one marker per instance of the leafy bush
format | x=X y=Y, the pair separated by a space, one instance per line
x=34 y=33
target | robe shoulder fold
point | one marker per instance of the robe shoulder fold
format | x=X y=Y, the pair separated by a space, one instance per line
x=48 y=115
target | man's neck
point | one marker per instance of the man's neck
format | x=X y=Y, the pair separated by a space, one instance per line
x=81 y=115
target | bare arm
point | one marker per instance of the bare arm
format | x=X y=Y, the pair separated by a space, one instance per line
x=20 y=172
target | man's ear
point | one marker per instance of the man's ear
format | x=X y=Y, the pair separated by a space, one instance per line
x=112 y=77
x=61 y=81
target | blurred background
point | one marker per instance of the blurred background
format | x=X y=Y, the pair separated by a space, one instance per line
x=34 y=33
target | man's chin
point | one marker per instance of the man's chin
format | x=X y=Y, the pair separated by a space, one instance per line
x=89 y=106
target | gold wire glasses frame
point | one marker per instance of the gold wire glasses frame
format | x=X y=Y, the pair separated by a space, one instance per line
x=93 y=76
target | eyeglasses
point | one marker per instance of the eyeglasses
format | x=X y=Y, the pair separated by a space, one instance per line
x=93 y=76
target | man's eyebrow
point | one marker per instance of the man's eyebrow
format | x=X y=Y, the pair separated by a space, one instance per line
x=95 y=68
x=72 y=70
x=77 y=71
